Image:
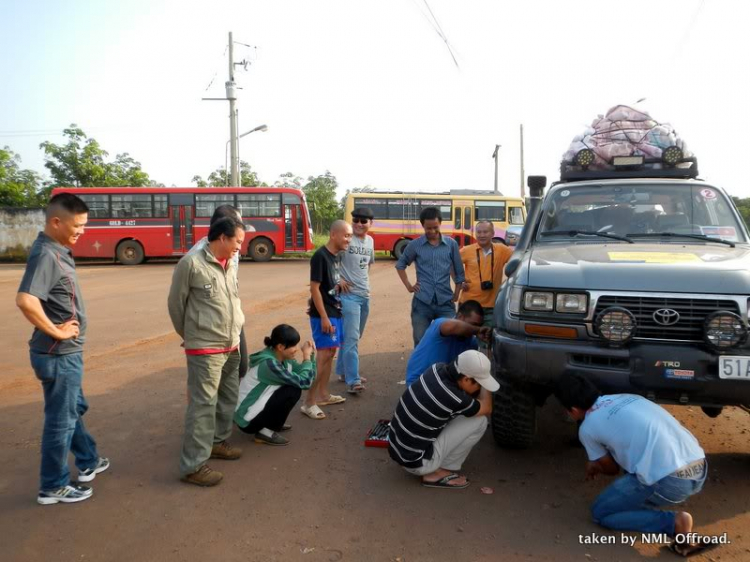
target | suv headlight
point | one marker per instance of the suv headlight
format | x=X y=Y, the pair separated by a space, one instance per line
x=536 y=300
x=724 y=329
x=572 y=304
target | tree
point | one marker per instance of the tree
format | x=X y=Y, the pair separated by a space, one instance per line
x=220 y=178
x=18 y=188
x=288 y=180
x=81 y=163
x=321 y=197
x=743 y=206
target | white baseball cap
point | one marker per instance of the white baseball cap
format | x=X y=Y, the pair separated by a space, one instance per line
x=475 y=365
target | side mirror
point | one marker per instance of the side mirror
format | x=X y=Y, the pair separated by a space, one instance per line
x=512 y=265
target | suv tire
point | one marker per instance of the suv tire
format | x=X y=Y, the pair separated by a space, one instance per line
x=513 y=417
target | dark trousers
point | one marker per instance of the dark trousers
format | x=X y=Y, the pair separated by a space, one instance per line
x=277 y=409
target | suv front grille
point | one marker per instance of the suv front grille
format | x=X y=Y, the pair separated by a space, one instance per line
x=689 y=327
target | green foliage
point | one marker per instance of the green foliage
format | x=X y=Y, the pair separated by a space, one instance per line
x=81 y=162
x=18 y=188
x=288 y=180
x=220 y=178
x=320 y=192
x=743 y=206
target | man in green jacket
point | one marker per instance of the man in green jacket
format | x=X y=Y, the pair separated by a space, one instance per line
x=205 y=309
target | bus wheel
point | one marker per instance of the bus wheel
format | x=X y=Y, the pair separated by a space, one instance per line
x=129 y=252
x=261 y=249
x=399 y=248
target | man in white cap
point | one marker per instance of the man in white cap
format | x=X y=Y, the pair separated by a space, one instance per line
x=440 y=417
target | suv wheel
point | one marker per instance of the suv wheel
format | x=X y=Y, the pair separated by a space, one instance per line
x=513 y=417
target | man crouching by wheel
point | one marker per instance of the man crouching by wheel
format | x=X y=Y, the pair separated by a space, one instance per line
x=440 y=418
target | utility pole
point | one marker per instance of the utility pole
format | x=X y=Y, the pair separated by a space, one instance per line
x=232 y=97
x=495 y=156
x=523 y=172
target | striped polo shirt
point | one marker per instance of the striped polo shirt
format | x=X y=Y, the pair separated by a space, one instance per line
x=427 y=406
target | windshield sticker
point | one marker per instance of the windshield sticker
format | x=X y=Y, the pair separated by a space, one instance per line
x=708 y=193
x=683 y=374
x=725 y=232
x=652 y=257
x=564 y=193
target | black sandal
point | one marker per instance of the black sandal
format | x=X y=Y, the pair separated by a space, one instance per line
x=692 y=549
x=444 y=483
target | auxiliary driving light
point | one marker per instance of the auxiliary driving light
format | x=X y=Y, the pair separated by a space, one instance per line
x=616 y=325
x=584 y=158
x=672 y=155
x=724 y=329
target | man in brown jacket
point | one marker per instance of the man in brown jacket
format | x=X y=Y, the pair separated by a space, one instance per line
x=205 y=309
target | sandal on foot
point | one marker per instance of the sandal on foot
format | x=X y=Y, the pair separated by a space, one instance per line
x=686 y=550
x=313 y=412
x=355 y=388
x=331 y=400
x=444 y=482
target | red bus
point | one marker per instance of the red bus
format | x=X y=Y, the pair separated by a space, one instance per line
x=131 y=224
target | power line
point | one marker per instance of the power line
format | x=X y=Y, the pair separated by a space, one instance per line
x=435 y=24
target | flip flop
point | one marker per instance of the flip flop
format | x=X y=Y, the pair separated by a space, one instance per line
x=688 y=550
x=444 y=483
x=331 y=400
x=313 y=412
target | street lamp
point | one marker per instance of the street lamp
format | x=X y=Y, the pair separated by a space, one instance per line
x=262 y=128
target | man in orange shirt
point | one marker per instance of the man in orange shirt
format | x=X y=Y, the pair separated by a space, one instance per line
x=484 y=263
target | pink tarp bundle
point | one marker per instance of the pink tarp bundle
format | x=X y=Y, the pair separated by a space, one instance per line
x=625 y=131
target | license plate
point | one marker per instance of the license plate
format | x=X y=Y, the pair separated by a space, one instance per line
x=734 y=368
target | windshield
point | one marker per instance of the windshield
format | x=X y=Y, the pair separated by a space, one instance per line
x=640 y=210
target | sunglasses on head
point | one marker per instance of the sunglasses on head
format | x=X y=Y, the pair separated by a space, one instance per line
x=360 y=220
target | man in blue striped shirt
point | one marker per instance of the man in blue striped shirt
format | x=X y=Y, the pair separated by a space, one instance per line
x=436 y=257
x=441 y=417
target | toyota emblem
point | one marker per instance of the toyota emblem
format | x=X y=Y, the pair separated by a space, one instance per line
x=666 y=317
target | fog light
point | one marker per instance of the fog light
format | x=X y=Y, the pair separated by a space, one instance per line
x=672 y=155
x=584 y=158
x=724 y=329
x=616 y=325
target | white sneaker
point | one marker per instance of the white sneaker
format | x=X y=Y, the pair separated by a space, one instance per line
x=90 y=473
x=66 y=494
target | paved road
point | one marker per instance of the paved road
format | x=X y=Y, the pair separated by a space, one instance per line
x=323 y=498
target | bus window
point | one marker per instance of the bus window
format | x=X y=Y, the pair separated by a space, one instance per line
x=467 y=218
x=259 y=204
x=205 y=205
x=457 y=223
x=516 y=215
x=131 y=206
x=160 y=206
x=442 y=205
x=98 y=205
x=490 y=210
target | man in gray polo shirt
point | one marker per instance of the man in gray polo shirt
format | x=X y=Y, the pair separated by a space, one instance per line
x=355 y=298
x=50 y=299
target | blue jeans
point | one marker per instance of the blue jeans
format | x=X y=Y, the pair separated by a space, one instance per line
x=64 y=406
x=626 y=504
x=423 y=314
x=355 y=310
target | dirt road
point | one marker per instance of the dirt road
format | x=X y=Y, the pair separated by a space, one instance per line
x=323 y=498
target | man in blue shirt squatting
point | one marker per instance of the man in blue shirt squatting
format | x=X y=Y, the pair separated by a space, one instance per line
x=663 y=463
x=447 y=338
x=436 y=257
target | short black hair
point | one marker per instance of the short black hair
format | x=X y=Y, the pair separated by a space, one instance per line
x=66 y=202
x=576 y=391
x=227 y=226
x=363 y=213
x=430 y=213
x=470 y=307
x=224 y=211
x=283 y=334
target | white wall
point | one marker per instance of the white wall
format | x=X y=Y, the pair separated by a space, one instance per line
x=19 y=228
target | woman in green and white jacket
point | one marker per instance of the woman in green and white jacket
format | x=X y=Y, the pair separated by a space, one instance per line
x=273 y=385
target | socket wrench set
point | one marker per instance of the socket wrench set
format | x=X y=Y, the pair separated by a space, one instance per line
x=378 y=435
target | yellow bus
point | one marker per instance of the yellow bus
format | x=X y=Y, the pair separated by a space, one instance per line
x=396 y=215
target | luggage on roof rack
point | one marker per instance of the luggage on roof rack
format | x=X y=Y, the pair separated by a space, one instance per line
x=684 y=168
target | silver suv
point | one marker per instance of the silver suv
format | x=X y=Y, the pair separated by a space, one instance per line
x=638 y=277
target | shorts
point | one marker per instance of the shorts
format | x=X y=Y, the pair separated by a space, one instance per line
x=327 y=341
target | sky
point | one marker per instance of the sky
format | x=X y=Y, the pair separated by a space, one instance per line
x=368 y=89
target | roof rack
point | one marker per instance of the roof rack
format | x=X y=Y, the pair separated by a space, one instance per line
x=652 y=168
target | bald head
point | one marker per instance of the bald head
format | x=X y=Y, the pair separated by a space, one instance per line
x=340 y=236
